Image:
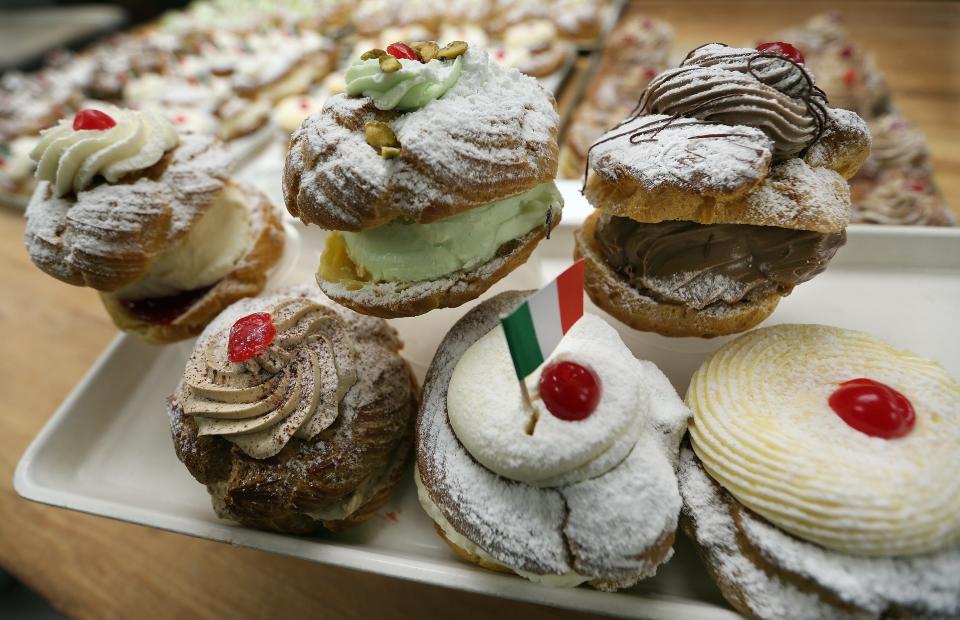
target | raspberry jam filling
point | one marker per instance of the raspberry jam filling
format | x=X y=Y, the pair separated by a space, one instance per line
x=164 y=310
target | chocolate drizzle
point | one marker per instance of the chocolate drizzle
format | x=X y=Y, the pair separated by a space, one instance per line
x=778 y=81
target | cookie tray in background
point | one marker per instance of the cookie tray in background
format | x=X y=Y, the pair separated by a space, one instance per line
x=107 y=451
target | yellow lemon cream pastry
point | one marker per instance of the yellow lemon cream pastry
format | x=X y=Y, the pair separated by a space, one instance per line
x=579 y=485
x=822 y=476
x=724 y=190
x=151 y=219
x=434 y=171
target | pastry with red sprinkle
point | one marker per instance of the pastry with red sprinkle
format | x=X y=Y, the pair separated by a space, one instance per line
x=150 y=218
x=296 y=414
x=722 y=191
x=575 y=485
x=821 y=477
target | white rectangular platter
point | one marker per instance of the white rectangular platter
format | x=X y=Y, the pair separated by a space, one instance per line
x=107 y=450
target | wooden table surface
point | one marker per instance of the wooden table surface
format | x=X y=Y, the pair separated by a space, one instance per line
x=91 y=567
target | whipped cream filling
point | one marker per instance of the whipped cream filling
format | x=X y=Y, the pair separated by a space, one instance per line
x=569 y=579
x=407 y=251
x=415 y=85
x=70 y=159
x=208 y=253
x=764 y=431
x=487 y=413
x=291 y=389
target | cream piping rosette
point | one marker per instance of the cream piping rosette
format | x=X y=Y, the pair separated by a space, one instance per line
x=292 y=387
x=110 y=144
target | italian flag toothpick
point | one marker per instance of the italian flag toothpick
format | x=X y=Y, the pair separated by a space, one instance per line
x=535 y=328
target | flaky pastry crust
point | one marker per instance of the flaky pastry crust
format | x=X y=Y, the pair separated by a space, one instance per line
x=761 y=582
x=804 y=194
x=618 y=298
x=334 y=179
x=246 y=280
x=108 y=236
x=337 y=277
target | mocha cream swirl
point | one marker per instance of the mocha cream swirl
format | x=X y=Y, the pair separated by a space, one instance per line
x=70 y=159
x=897 y=143
x=736 y=86
x=291 y=389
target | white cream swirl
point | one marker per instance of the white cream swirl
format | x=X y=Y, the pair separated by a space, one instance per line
x=741 y=87
x=763 y=429
x=291 y=389
x=70 y=159
x=487 y=413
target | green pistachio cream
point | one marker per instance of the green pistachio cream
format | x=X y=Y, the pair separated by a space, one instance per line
x=413 y=86
x=406 y=251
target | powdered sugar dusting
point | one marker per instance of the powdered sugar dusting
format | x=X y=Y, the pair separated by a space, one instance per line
x=678 y=153
x=495 y=128
x=924 y=585
x=599 y=528
x=108 y=235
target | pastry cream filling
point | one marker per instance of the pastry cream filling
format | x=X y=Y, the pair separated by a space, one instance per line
x=488 y=415
x=764 y=430
x=208 y=253
x=415 y=85
x=70 y=159
x=405 y=251
x=569 y=579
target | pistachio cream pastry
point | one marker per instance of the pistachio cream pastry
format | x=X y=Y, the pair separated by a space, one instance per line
x=151 y=219
x=821 y=478
x=724 y=190
x=435 y=173
x=578 y=485
x=296 y=414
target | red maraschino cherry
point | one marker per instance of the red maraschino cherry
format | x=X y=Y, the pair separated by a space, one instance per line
x=570 y=391
x=402 y=50
x=783 y=49
x=873 y=408
x=250 y=335
x=93 y=119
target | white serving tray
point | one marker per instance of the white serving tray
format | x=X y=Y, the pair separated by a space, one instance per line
x=107 y=450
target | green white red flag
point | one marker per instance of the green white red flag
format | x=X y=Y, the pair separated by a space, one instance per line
x=537 y=325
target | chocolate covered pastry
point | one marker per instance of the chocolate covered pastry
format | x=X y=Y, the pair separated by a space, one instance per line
x=737 y=139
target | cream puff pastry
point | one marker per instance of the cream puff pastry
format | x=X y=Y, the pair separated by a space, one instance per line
x=822 y=480
x=149 y=218
x=297 y=415
x=435 y=173
x=557 y=493
x=722 y=192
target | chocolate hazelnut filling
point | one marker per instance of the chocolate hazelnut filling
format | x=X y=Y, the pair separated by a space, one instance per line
x=697 y=265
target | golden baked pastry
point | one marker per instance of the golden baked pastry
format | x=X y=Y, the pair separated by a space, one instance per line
x=434 y=170
x=722 y=191
x=150 y=219
x=559 y=498
x=819 y=478
x=297 y=415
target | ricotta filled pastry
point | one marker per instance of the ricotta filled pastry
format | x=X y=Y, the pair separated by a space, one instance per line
x=434 y=171
x=150 y=218
x=576 y=486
